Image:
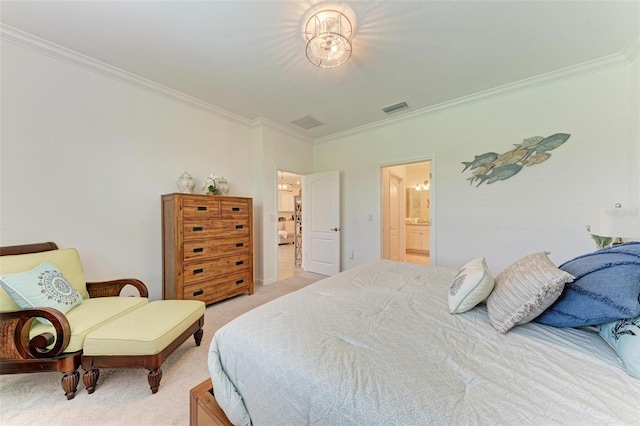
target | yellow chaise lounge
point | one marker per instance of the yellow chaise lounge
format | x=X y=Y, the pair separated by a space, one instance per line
x=47 y=311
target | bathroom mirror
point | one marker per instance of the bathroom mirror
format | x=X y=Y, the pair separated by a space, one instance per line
x=418 y=204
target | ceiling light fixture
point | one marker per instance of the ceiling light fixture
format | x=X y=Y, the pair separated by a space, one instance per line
x=328 y=34
x=284 y=186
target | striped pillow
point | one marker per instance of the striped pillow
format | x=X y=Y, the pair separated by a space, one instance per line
x=524 y=290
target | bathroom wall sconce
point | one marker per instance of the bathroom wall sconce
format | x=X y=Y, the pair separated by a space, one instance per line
x=423 y=186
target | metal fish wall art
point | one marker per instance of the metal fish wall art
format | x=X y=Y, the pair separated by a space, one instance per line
x=490 y=166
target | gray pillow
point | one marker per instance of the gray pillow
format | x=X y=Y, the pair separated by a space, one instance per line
x=524 y=290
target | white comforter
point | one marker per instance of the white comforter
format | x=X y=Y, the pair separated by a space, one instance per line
x=377 y=345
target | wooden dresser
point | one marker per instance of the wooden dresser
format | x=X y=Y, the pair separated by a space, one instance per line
x=207 y=246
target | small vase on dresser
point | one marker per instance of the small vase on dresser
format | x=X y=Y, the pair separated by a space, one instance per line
x=185 y=183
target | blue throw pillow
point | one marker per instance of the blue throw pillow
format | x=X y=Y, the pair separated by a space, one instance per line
x=624 y=337
x=606 y=288
x=42 y=287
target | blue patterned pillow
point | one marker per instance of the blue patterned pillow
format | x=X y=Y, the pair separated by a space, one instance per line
x=606 y=288
x=624 y=337
x=42 y=287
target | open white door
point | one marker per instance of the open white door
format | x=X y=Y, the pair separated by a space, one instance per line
x=321 y=223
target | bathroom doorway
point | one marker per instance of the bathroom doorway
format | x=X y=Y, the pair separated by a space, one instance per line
x=406 y=212
x=289 y=238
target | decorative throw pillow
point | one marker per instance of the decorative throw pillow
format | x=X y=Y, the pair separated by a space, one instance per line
x=41 y=287
x=523 y=290
x=606 y=288
x=472 y=285
x=624 y=337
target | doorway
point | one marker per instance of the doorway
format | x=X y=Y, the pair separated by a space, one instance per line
x=289 y=238
x=406 y=212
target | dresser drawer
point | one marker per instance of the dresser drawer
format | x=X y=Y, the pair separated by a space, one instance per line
x=223 y=228
x=201 y=207
x=207 y=269
x=234 y=208
x=218 y=288
x=206 y=249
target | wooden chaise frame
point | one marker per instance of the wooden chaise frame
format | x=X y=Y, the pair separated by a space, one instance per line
x=19 y=354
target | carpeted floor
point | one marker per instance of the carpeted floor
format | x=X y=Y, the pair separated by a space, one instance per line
x=122 y=396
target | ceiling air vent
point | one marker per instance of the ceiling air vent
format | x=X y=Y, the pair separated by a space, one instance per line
x=307 y=122
x=395 y=108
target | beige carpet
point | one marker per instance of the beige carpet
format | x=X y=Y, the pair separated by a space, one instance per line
x=122 y=396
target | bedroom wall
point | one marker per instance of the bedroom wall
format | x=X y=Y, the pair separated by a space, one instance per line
x=279 y=150
x=85 y=159
x=634 y=130
x=544 y=207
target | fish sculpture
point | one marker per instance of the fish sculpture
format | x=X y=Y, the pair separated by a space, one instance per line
x=528 y=143
x=480 y=160
x=537 y=158
x=500 y=173
x=547 y=144
x=490 y=166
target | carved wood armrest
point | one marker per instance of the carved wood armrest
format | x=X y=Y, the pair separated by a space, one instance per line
x=14 y=334
x=114 y=287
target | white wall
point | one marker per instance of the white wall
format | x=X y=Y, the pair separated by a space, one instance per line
x=281 y=150
x=544 y=207
x=85 y=159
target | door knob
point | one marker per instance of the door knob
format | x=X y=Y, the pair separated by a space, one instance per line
x=335 y=229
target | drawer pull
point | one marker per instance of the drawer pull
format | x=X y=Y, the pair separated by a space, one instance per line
x=202 y=208
x=239 y=262
x=239 y=244
x=238 y=282
x=198 y=293
x=235 y=209
x=198 y=250
x=198 y=271
x=197 y=228
x=239 y=226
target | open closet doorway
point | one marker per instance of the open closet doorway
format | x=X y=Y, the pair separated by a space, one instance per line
x=289 y=238
x=406 y=212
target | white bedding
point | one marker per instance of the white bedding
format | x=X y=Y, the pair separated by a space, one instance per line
x=377 y=345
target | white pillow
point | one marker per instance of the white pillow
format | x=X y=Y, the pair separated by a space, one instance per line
x=472 y=285
x=524 y=290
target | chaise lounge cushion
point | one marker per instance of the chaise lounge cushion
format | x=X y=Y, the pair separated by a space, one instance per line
x=91 y=314
x=146 y=330
x=66 y=260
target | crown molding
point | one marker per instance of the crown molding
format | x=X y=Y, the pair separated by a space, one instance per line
x=600 y=64
x=632 y=49
x=261 y=121
x=45 y=47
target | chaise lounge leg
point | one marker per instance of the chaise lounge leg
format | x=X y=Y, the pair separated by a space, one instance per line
x=90 y=379
x=154 y=378
x=70 y=383
x=198 y=336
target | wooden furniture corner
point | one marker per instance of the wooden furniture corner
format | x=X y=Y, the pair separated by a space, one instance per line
x=203 y=407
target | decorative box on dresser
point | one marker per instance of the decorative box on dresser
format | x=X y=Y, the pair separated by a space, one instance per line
x=207 y=246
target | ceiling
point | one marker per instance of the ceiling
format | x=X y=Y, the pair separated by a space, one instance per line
x=248 y=57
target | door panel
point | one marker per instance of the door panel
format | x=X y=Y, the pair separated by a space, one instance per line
x=395 y=183
x=321 y=223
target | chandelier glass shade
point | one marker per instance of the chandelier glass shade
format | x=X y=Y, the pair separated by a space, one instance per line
x=328 y=34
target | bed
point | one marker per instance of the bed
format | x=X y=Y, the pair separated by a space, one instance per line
x=377 y=344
